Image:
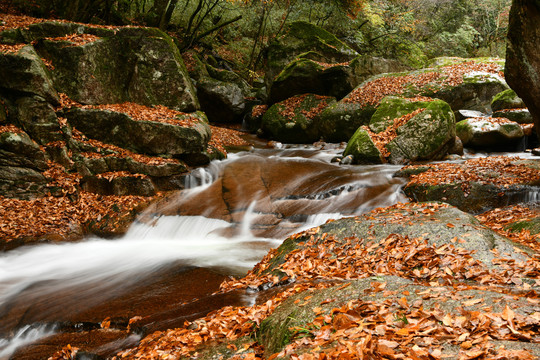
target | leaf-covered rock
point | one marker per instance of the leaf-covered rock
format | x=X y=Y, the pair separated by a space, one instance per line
x=403 y=130
x=489 y=133
x=147 y=137
x=295 y=119
x=476 y=185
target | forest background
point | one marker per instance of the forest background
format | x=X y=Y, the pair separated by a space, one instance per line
x=236 y=33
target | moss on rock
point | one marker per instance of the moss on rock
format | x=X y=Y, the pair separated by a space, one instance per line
x=507 y=99
x=363 y=149
x=293 y=120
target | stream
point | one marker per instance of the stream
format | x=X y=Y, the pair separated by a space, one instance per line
x=168 y=266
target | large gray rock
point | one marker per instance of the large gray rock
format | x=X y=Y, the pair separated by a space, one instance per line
x=522 y=68
x=223 y=102
x=437 y=224
x=477 y=185
x=489 y=133
x=21 y=166
x=140 y=65
x=147 y=137
x=38 y=119
x=24 y=72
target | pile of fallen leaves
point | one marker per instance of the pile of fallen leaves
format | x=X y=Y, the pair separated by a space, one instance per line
x=157 y=113
x=108 y=150
x=390 y=133
x=76 y=39
x=501 y=171
x=223 y=137
x=258 y=110
x=330 y=65
x=10 y=128
x=289 y=106
x=374 y=91
x=10 y=49
x=324 y=258
x=10 y=21
x=62 y=216
x=499 y=219
x=395 y=329
x=492 y=120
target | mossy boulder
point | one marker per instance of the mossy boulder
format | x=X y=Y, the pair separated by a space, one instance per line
x=485 y=133
x=339 y=121
x=295 y=120
x=363 y=149
x=393 y=107
x=507 y=99
x=310 y=72
x=141 y=65
x=301 y=37
x=428 y=134
x=25 y=73
x=147 y=137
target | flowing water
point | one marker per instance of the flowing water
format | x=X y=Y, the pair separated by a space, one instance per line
x=174 y=257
